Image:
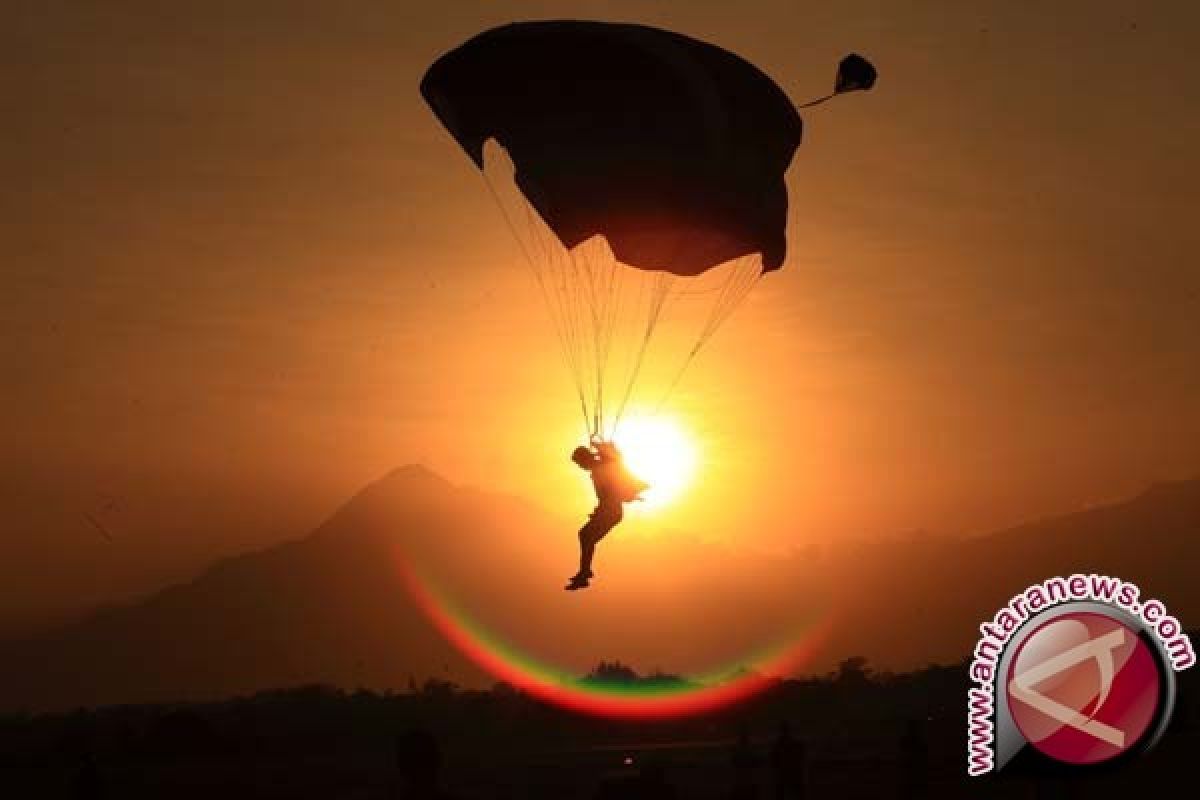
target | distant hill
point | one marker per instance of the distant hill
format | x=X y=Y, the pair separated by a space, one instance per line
x=303 y=611
x=330 y=607
x=927 y=596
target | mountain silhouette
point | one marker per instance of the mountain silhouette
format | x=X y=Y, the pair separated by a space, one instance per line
x=331 y=607
x=922 y=599
x=305 y=611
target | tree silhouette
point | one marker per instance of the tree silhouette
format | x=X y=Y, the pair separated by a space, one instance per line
x=610 y=672
x=853 y=672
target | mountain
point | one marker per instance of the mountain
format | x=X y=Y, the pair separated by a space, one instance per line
x=922 y=600
x=301 y=612
x=332 y=607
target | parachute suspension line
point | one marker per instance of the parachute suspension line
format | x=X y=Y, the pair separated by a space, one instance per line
x=569 y=305
x=819 y=100
x=601 y=306
x=607 y=290
x=560 y=307
x=658 y=293
x=732 y=292
x=594 y=301
x=583 y=297
x=645 y=299
x=624 y=283
x=741 y=280
x=585 y=308
x=566 y=346
x=561 y=304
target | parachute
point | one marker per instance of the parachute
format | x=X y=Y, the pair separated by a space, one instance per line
x=639 y=169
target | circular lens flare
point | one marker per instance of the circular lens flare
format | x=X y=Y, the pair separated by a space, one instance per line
x=553 y=685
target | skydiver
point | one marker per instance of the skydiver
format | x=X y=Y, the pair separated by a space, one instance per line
x=615 y=486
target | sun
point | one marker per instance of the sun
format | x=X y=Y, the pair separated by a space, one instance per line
x=657 y=450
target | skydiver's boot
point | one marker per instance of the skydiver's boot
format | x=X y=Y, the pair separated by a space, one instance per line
x=580 y=580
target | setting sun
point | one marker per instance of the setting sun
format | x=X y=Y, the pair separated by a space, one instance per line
x=659 y=452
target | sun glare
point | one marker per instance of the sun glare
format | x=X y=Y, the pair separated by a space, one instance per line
x=658 y=451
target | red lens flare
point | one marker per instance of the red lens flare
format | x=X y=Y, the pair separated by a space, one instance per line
x=561 y=689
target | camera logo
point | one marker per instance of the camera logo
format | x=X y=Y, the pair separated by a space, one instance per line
x=1075 y=672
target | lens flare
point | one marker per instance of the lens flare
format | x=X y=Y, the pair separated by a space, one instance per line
x=645 y=701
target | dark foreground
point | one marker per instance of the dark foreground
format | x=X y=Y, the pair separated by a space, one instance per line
x=853 y=734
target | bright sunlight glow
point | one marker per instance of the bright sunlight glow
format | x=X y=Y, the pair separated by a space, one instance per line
x=658 y=451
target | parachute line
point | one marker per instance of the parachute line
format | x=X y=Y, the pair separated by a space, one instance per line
x=819 y=100
x=605 y=314
x=566 y=338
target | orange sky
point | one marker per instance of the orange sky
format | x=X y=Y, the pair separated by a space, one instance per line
x=257 y=274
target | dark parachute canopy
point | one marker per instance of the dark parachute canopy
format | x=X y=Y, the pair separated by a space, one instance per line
x=673 y=149
x=646 y=168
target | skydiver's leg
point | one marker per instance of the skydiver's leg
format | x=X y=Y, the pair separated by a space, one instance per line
x=589 y=534
x=587 y=548
x=601 y=522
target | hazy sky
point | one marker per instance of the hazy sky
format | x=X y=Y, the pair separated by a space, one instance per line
x=246 y=271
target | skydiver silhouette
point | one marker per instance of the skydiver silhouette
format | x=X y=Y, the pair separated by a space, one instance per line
x=614 y=486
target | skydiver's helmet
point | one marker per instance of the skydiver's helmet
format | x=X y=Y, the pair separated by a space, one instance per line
x=583 y=457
